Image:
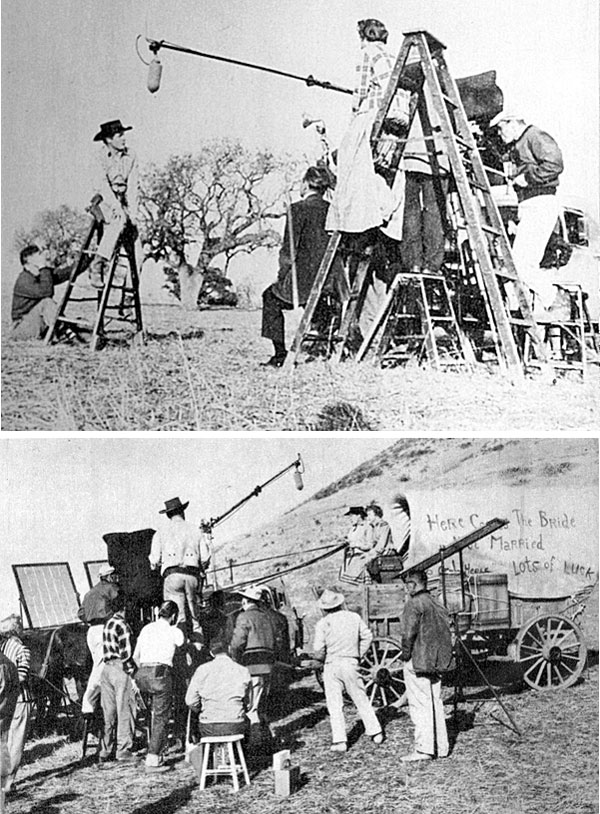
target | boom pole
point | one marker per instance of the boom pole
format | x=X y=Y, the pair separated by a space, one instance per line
x=156 y=45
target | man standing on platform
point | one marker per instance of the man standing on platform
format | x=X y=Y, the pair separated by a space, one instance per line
x=181 y=549
x=426 y=652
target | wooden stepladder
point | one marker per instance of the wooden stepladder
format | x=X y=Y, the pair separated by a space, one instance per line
x=118 y=300
x=507 y=305
x=499 y=281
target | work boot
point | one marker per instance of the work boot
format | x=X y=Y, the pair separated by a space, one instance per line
x=97 y=270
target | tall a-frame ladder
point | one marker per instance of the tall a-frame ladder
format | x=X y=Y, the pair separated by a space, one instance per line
x=128 y=309
x=487 y=236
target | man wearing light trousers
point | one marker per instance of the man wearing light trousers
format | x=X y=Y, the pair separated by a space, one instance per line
x=427 y=652
x=341 y=639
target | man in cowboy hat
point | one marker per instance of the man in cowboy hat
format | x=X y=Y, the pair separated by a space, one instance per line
x=253 y=644
x=358 y=539
x=182 y=552
x=117 y=184
x=97 y=607
x=341 y=639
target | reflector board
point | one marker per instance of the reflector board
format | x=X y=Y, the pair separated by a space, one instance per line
x=47 y=593
x=91 y=570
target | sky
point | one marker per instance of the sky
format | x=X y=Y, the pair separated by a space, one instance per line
x=58 y=496
x=68 y=65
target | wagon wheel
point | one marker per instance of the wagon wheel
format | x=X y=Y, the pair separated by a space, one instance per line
x=552 y=652
x=381 y=669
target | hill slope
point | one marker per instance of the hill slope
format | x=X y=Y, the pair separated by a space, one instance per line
x=423 y=468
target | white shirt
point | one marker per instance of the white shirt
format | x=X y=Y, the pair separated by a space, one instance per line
x=223 y=687
x=157 y=642
x=341 y=634
x=179 y=543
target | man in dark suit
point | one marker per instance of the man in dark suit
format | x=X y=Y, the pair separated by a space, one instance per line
x=304 y=243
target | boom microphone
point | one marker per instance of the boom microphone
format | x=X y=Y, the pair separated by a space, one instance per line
x=154 y=75
x=298 y=480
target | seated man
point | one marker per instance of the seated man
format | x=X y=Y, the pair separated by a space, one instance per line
x=33 y=306
x=303 y=247
x=380 y=538
x=220 y=691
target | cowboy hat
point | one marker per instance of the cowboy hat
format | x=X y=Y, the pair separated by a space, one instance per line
x=173 y=506
x=355 y=510
x=252 y=592
x=106 y=570
x=110 y=129
x=331 y=599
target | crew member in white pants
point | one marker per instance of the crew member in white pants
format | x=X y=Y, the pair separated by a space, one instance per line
x=427 y=652
x=535 y=165
x=341 y=639
x=97 y=607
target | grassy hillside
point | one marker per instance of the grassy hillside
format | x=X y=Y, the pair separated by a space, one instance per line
x=411 y=464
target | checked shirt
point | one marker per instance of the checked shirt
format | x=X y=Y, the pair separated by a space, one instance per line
x=116 y=641
x=373 y=73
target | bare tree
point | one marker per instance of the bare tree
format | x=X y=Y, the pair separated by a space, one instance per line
x=224 y=199
x=60 y=230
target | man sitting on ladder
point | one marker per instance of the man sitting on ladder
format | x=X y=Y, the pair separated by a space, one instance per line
x=117 y=183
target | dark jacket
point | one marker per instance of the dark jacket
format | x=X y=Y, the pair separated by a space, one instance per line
x=538 y=157
x=310 y=241
x=426 y=635
x=29 y=289
x=253 y=641
x=99 y=603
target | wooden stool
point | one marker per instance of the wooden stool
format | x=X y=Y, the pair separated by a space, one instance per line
x=224 y=760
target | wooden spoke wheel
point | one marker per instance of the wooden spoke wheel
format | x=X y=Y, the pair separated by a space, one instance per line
x=551 y=651
x=381 y=669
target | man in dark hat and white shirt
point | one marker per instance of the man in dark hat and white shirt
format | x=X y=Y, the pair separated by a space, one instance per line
x=341 y=639
x=117 y=184
x=96 y=609
x=182 y=552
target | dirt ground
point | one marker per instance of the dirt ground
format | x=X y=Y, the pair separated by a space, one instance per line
x=201 y=371
x=551 y=767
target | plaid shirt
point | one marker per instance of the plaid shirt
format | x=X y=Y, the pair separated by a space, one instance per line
x=372 y=76
x=116 y=641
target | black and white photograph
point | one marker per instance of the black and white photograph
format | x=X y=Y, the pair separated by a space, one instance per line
x=300 y=215
x=341 y=624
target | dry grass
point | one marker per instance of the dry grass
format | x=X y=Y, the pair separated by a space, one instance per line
x=551 y=768
x=201 y=371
